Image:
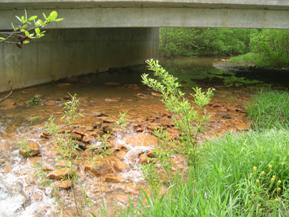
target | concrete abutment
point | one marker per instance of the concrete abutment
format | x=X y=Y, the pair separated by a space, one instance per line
x=71 y=52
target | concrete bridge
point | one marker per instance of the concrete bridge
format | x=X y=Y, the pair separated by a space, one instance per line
x=99 y=34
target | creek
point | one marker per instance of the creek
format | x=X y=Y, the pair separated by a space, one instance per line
x=103 y=97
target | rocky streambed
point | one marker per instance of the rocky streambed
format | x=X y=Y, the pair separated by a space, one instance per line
x=35 y=180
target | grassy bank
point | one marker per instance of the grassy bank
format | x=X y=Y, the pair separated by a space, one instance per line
x=238 y=175
x=242 y=174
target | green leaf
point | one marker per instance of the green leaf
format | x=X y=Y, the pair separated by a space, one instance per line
x=27 y=34
x=39 y=23
x=37 y=31
x=23 y=20
x=32 y=18
x=26 y=41
x=53 y=15
x=14 y=28
x=59 y=19
x=18 y=18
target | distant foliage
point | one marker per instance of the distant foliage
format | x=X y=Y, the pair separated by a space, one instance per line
x=272 y=46
x=204 y=42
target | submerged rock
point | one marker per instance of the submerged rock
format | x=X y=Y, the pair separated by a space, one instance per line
x=8 y=104
x=116 y=99
x=105 y=166
x=141 y=139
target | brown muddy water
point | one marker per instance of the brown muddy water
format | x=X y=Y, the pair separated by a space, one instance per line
x=114 y=178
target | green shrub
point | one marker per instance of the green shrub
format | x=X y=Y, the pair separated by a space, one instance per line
x=188 y=119
x=272 y=47
x=269 y=109
x=204 y=42
x=238 y=175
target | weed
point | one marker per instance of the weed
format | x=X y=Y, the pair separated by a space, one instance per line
x=51 y=127
x=151 y=174
x=71 y=109
x=66 y=147
x=184 y=114
x=122 y=120
x=42 y=175
x=34 y=119
x=34 y=100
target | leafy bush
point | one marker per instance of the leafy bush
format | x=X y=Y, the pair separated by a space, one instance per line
x=272 y=46
x=187 y=118
x=204 y=42
x=269 y=109
x=238 y=175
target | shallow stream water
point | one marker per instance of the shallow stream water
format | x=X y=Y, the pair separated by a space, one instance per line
x=103 y=96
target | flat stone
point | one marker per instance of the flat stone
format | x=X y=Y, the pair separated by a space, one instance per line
x=142 y=96
x=32 y=149
x=117 y=99
x=112 y=83
x=65 y=184
x=155 y=94
x=60 y=174
x=141 y=139
x=8 y=104
x=88 y=139
x=47 y=168
x=45 y=135
x=105 y=166
x=113 y=178
x=99 y=114
x=144 y=159
x=120 y=153
x=98 y=168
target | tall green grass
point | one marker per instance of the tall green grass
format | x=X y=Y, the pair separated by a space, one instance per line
x=269 y=109
x=238 y=175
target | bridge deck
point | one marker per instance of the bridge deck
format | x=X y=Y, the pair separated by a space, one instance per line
x=249 y=4
x=155 y=13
